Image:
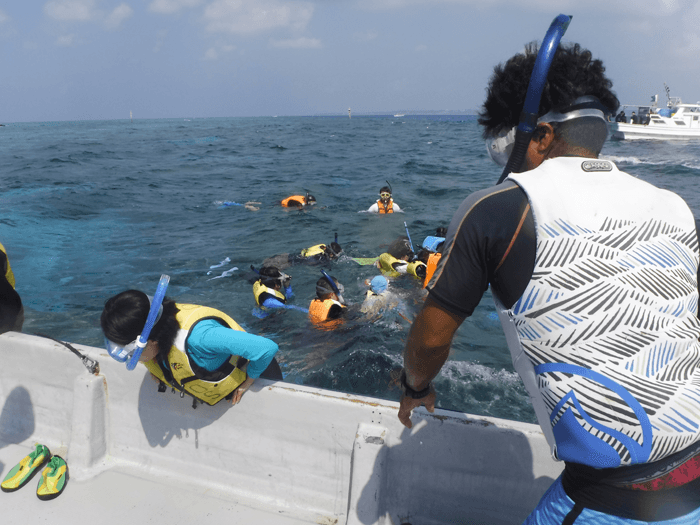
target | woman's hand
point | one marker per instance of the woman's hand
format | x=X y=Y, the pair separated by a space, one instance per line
x=238 y=393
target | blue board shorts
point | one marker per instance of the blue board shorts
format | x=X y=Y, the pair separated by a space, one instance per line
x=555 y=505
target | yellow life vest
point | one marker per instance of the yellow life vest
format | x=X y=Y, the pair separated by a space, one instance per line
x=314 y=250
x=412 y=268
x=184 y=374
x=300 y=199
x=389 y=208
x=318 y=313
x=386 y=262
x=259 y=288
x=433 y=261
x=8 y=270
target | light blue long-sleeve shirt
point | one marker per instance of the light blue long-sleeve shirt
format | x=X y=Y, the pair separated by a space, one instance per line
x=211 y=344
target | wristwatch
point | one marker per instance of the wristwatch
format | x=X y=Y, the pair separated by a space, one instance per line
x=414 y=394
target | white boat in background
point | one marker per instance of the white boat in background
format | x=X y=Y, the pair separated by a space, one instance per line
x=399 y=115
x=676 y=121
x=287 y=454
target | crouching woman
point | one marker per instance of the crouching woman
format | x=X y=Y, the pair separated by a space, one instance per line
x=198 y=350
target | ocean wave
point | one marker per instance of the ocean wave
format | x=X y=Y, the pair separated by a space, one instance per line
x=690 y=163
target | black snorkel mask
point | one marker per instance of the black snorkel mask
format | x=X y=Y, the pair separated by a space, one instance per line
x=520 y=138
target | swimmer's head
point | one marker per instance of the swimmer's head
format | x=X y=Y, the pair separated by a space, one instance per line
x=310 y=199
x=333 y=250
x=379 y=284
x=385 y=193
x=272 y=277
x=324 y=290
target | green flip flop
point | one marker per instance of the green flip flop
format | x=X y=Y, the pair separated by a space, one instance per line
x=25 y=469
x=53 y=479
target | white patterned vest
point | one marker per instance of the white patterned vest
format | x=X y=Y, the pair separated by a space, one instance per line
x=605 y=336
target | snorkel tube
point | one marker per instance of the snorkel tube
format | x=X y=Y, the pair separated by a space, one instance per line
x=150 y=321
x=333 y=286
x=410 y=243
x=528 y=117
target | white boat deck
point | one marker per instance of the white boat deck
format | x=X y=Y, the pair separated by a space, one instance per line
x=286 y=454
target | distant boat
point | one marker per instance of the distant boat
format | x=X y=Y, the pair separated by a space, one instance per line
x=676 y=121
x=399 y=115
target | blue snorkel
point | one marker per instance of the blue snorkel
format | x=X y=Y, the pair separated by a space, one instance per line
x=333 y=286
x=410 y=243
x=150 y=321
x=529 y=115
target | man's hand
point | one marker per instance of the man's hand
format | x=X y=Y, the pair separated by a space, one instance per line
x=238 y=393
x=408 y=404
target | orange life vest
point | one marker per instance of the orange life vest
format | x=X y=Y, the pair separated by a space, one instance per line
x=433 y=261
x=385 y=209
x=294 y=201
x=318 y=313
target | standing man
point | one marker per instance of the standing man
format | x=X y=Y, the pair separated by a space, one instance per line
x=595 y=278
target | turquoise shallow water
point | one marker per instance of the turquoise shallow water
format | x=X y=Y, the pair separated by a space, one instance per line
x=88 y=209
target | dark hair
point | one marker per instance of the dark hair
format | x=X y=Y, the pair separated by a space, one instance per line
x=400 y=247
x=333 y=249
x=573 y=74
x=125 y=314
x=324 y=288
x=386 y=189
x=441 y=232
x=269 y=275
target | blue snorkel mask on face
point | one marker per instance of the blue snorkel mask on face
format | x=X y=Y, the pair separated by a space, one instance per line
x=130 y=353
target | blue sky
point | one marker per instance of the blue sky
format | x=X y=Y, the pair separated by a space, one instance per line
x=100 y=59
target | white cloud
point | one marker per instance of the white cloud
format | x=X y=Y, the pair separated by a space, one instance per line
x=297 y=43
x=168 y=7
x=253 y=16
x=119 y=15
x=66 y=40
x=75 y=10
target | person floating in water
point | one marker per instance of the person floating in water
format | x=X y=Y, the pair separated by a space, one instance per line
x=317 y=254
x=11 y=308
x=197 y=350
x=385 y=204
x=327 y=309
x=272 y=291
x=399 y=260
x=298 y=201
x=379 y=298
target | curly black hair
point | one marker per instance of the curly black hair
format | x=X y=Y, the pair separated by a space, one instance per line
x=573 y=73
x=125 y=314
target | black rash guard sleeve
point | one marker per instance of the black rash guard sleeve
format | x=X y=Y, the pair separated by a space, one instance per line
x=491 y=240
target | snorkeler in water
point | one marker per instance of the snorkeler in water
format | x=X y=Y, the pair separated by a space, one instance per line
x=272 y=291
x=317 y=254
x=299 y=201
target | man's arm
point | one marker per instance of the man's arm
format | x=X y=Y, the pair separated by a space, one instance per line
x=427 y=349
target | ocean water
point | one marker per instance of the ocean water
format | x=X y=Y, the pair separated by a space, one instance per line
x=91 y=208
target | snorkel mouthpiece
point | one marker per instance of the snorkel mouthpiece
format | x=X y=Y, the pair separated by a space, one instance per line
x=142 y=339
x=538 y=79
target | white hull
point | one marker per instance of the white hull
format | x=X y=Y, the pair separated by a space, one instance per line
x=287 y=454
x=679 y=122
x=621 y=131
